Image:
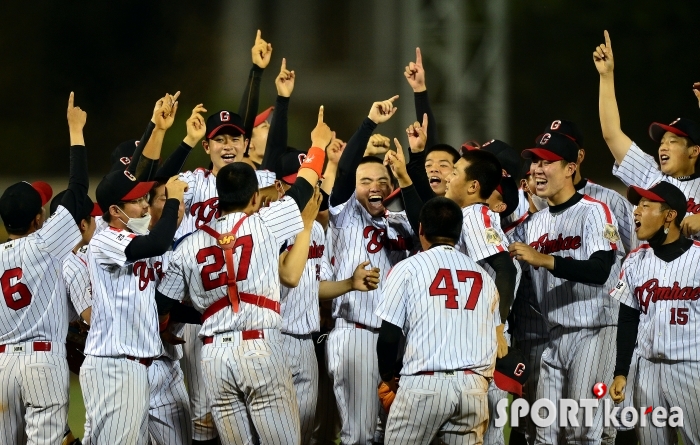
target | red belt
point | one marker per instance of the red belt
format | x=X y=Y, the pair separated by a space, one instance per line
x=257 y=300
x=37 y=346
x=368 y=328
x=144 y=361
x=466 y=371
x=255 y=334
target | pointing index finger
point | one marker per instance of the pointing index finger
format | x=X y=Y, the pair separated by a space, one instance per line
x=393 y=98
x=257 y=37
x=284 y=64
x=419 y=57
x=70 y=100
x=320 y=115
x=607 y=39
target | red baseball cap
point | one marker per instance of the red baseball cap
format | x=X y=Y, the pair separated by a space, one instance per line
x=264 y=116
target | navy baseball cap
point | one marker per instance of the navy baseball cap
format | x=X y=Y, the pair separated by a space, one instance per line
x=120 y=186
x=512 y=372
x=21 y=202
x=506 y=155
x=121 y=156
x=224 y=121
x=288 y=165
x=682 y=127
x=660 y=192
x=553 y=147
x=568 y=129
x=86 y=210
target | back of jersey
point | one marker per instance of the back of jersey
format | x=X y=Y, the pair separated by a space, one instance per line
x=447 y=306
x=34 y=305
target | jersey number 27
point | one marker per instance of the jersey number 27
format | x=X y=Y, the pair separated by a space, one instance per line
x=443 y=284
x=219 y=263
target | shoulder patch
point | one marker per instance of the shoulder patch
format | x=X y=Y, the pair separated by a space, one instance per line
x=618 y=290
x=492 y=236
x=610 y=233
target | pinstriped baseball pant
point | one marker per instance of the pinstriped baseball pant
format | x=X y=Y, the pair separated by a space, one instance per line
x=301 y=358
x=202 y=421
x=169 y=420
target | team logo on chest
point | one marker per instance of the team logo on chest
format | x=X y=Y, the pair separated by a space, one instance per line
x=545 y=245
x=693 y=207
x=144 y=273
x=205 y=211
x=376 y=240
x=651 y=292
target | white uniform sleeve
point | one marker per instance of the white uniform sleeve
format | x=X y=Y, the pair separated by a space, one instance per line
x=601 y=230
x=109 y=247
x=191 y=180
x=79 y=288
x=622 y=290
x=174 y=283
x=59 y=234
x=392 y=308
x=283 y=219
x=481 y=237
x=637 y=168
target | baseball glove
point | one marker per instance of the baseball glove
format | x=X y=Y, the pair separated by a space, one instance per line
x=75 y=345
x=387 y=394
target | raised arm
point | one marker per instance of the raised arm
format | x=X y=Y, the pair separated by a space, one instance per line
x=78 y=182
x=618 y=142
x=293 y=261
x=144 y=161
x=417 y=134
x=415 y=75
x=196 y=128
x=277 y=135
x=412 y=202
x=248 y=109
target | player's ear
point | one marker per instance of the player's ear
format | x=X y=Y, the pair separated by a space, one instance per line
x=523 y=185
x=671 y=216
x=581 y=155
x=205 y=146
x=83 y=225
x=500 y=207
x=420 y=229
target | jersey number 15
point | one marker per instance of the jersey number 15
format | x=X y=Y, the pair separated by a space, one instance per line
x=448 y=288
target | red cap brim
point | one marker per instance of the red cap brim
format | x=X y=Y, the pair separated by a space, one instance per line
x=96 y=210
x=290 y=179
x=216 y=130
x=469 y=147
x=44 y=190
x=507 y=384
x=541 y=153
x=657 y=130
x=139 y=191
x=262 y=117
x=635 y=194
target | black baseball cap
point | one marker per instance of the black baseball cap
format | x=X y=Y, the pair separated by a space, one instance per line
x=121 y=156
x=568 y=129
x=660 y=192
x=86 y=210
x=509 y=191
x=120 y=186
x=224 y=120
x=681 y=126
x=506 y=155
x=553 y=147
x=21 y=202
x=288 y=165
x=512 y=372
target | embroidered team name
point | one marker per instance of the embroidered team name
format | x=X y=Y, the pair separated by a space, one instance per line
x=693 y=207
x=651 y=292
x=144 y=273
x=377 y=237
x=545 y=245
x=315 y=250
x=205 y=211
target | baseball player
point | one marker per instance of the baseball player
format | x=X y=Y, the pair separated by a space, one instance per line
x=658 y=313
x=34 y=311
x=361 y=230
x=447 y=307
x=571 y=252
x=246 y=375
x=679 y=146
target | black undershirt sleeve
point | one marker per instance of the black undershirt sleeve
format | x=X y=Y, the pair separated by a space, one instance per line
x=248 y=109
x=419 y=177
x=174 y=163
x=413 y=205
x=388 y=349
x=301 y=191
x=164 y=304
x=344 y=185
x=277 y=136
x=506 y=275
x=324 y=201
x=594 y=270
x=159 y=240
x=182 y=313
x=141 y=167
x=423 y=106
x=627 y=327
x=78 y=182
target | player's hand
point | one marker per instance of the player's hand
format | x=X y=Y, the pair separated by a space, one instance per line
x=76 y=121
x=175 y=188
x=696 y=90
x=377 y=144
x=335 y=150
x=617 y=389
x=365 y=280
x=261 y=51
x=321 y=135
x=196 y=126
x=165 y=115
x=382 y=111
x=603 y=57
x=396 y=161
x=415 y=74
x=502 y=349
x=418 y=135
x=308 y=215
x=523 y=252
x=168 y=337
x=690 y=225
x=285 y=81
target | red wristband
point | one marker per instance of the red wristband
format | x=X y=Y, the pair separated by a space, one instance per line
x=164 y=324
x=315 y=159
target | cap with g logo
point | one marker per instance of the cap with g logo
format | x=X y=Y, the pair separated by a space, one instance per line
x=682 y=127
x=567 y=128
x=553 y=147
x=224 y=122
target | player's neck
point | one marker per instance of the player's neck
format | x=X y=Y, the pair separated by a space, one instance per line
x=562 y=195
x=686 y=172
x=577 y=175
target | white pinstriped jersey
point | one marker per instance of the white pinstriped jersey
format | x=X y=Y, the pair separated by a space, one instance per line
x=173 y=352
x=100 y=225
x=641 y=169
x=300 y=311
x=34 y=305
x=124 y=318
x=358 y=237
x=576 y=232
x=667 y=296
x=77 y=280
x=202 y=198
x=447 y=306
x=198 y=266
x=621 y=208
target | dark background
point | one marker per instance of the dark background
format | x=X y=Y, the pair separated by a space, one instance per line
x=120 y=57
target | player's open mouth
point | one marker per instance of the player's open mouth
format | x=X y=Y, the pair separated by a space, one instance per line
x=663 y=158
x=228 y=158
x=435 y=180
x=637 y=224
x=540 y=184
x=375 y=201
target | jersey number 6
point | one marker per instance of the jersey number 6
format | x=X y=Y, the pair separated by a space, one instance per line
x=449 y=290
x=219 y=264
x=9 y=290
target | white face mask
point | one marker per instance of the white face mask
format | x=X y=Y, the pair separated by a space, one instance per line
x=138 y=225
x=540 y=203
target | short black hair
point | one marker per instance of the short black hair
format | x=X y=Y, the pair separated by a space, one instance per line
x=441 y=218
x=679 y=216
x=106 y=217
x=484 y=168
x=376 y=160
x=236 y=184
x=159 y=182
x=444 y=148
